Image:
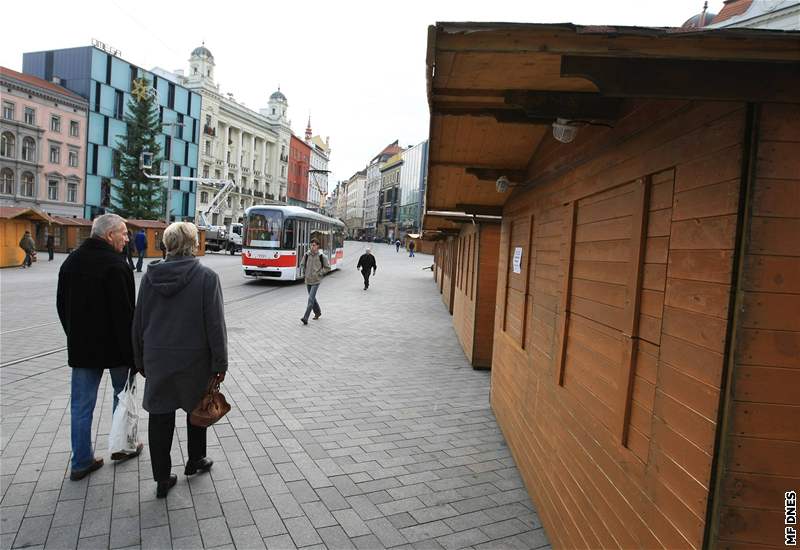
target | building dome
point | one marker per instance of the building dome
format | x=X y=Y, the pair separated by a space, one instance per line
x=700 y=20
x=202 y=51
x=278 y=96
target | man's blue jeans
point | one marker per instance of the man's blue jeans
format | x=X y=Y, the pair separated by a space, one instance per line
x=84 y=396
x=312 y=302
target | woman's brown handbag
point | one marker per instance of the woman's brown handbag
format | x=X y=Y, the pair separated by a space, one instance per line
x=212 y=407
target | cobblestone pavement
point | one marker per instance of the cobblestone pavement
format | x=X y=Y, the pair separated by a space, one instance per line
x=365 y=429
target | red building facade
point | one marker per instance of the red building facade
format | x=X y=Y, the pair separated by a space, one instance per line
x=299 y=160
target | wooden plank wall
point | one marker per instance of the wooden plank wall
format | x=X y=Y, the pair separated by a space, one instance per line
x=464 y=299
x=449 y=259
x=485 y=285
x=609 y=344
x=762 y=440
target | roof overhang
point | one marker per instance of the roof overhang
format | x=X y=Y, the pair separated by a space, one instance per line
x=494 y=89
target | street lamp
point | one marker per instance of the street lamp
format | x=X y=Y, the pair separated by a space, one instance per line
x=170 y=168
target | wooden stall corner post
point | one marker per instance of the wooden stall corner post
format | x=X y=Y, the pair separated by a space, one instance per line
x=633 y=301
x=566 y=288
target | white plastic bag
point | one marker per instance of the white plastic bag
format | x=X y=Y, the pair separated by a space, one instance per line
x=123 y=437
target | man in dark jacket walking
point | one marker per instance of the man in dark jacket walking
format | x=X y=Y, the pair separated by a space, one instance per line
x=141 y=248
x=51 y=247
x=367 y=265
x=95 y=302
x=316 y=266
x=29 y=247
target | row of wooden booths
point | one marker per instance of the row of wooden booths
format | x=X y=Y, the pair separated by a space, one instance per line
x=638 y=288
x=68 y=233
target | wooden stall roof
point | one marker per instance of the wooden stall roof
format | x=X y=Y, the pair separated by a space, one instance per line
x=147 y=224
x=451 y=222
x=78 y=222
x=494 y=89
x=18 y=212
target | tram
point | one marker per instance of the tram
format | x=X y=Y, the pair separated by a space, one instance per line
x=275 y=239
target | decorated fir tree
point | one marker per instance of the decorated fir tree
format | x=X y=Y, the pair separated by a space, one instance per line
x=139 y=197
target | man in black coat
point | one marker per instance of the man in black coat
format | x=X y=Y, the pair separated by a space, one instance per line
x=367 y=265
x=95 y=302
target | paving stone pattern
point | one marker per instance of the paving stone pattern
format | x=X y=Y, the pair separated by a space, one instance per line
x=364 y=429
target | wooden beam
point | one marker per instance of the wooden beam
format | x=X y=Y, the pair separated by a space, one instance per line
x=503 y=115
x=480 y=209
x=688 y=78
x=468 y=92
x=491 y=174
x=571 y=105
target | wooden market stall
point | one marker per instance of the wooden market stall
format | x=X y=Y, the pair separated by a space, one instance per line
x=69 y=233
x=14 y=222
x=153 y=229
x=646 y=354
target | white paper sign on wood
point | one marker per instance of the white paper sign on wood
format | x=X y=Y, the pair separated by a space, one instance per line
x=518 y=259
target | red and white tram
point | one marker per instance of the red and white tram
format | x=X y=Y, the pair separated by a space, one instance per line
x=275 y=239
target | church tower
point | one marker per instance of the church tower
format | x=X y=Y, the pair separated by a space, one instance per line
x=201 y=66
x=277 y=107
x=308 y=131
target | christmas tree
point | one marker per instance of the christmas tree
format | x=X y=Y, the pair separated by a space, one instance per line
x=139 y=197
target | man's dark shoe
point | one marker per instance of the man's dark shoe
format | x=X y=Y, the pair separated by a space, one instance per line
x=304 y=321
x=202 y=465
x=163 y=487
x=77 y=475
x=123 y=456
x=317 y=316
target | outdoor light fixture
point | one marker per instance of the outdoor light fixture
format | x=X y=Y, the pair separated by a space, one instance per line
x=564 y=131
x=502 y=184
x=146 y=160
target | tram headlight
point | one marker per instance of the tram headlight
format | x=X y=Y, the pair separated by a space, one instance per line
x=275 y=255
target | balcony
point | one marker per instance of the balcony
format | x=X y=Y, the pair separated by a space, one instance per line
x=245 y=170
x=258 y=194
x=219 y=162
x=284 y=158
x=257 y=172
x=209 y=131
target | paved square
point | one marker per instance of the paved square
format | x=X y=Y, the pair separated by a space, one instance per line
x=364 y=429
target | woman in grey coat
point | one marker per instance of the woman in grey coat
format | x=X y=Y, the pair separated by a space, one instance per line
x=180 y=344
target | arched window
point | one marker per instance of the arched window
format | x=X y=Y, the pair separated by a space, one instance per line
x=7 y=181
x=7 y=144
x=29 y=149
x=204 y=197
x=26 y=189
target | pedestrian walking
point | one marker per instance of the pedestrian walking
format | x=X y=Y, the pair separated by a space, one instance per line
x=397 y=245
x=141 y=248
x=127 y=251
x=29 y=247
x=162 y=247
x=180 y=345
x=367 y=264
x=51 y=247
x=411 y=248
x=316 y=265
x=95 y=301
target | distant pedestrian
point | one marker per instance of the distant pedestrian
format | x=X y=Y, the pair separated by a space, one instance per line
x=141 y=248
x=95 y=301
x=397 y=245
x=367 y=265
x=29 y=247
x=316 y=266
x=180 y=345
x=162 y=247
x=411 y=247
x=127 y=251
x=51 y=247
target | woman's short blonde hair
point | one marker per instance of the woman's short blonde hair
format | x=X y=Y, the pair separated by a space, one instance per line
x=181 y=239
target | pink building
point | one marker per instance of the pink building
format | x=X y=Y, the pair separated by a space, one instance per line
x=42 y=145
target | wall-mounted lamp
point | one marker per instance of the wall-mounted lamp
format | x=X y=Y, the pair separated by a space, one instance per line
x=564 y=130
x=502 y=184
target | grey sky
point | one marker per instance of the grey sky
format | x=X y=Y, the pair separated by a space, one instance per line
x=357 y=67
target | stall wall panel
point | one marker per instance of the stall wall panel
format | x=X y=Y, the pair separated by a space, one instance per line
x=486 y=250
x=763 y=428
x=632 y=428
x=464 y=304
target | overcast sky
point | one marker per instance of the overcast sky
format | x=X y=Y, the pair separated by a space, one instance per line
x=357 y=67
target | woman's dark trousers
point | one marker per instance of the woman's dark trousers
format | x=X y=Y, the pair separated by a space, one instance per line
x=159 y=431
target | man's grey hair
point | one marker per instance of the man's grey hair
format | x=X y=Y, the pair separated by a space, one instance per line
x=369 y=249
x=181 y=239
x=105 y=223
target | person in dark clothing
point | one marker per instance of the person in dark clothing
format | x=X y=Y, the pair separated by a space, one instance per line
x=162 y=247
x=180 y=344
x=397 y=245
x=367 y=265
x=411 y=247
x=95 y=303
x=29 y=247
x=141 y=248
x=127 y=251
x=51 y=247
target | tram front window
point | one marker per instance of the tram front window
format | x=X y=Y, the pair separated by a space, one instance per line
x=263 y=229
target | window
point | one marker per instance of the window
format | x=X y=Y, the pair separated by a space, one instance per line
x=26 y=189
x=204 y=197
x=30 y=116
x=116 y=160
x=208 y=147
x=229 y=202
x=72 y=192
x=55 y=154
x=105 y=192
x=7 y=181
x=55 y=124
x=75 y=128
x=217 y=174
x=28 y=149
x=119 y=103
x=73 y=158
x=52 y=190
x=8 y=110
x=7 y=143
x=208 y=120
x=205 y=171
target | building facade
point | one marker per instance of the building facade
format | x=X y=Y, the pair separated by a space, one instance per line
x=373 y=188
x=236 y=143
x=105 y=80
x=341 y=201
x=42 y=151
x=299 y=162
x=356 y=198
x=318 y=175
x=277 y=113
x=388 y=199
x=412 y=188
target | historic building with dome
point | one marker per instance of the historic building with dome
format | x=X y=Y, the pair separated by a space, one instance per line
x=236 y=142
